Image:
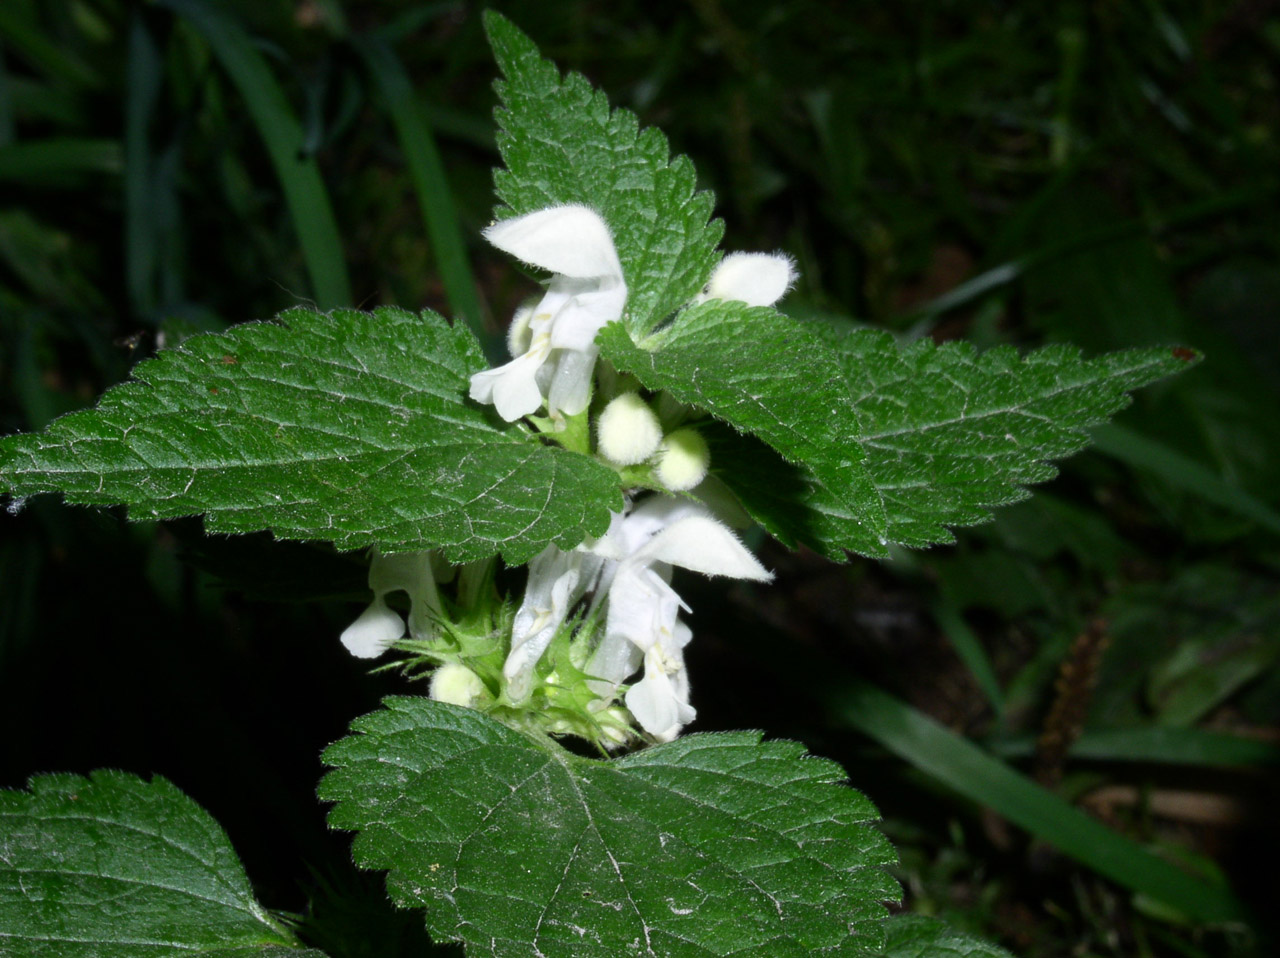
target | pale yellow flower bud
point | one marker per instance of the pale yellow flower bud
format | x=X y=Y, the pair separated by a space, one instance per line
x=683 y=458
x=457 y=685
x=628 y=431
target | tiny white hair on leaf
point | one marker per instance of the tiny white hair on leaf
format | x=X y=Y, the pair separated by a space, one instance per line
x=570 y=240
x=757 y=279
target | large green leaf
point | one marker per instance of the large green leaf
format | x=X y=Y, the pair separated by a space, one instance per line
x=769 y=375
x=115 y=867
x=562 y=144
x=349 y=427
x=947 y=432
x=712 y=845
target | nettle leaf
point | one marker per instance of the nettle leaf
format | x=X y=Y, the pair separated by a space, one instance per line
x=112 y=866
x=347 y=426
x=915 y=936
x=712 y=845
x=563 y=144
x=947 y=433
x=769 y=375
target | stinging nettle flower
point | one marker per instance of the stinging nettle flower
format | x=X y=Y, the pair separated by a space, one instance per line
x=757 y=279
x=586 y=291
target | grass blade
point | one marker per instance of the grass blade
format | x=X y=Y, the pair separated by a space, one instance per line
x=1165 y=746
x=969 y=648
x=33 y=44
x=429 y=180
x=1136 y=450
x=304 y=189
x=962 y=766
x=6 y=103
x=41 y=161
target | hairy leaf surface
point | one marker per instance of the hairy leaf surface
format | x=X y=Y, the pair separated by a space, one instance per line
x=350 y=427
x=712 y=845
x=948 y=433
x=562 y=144
x=116 y=867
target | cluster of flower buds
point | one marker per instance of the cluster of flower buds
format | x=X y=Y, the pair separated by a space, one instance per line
x=609 y=602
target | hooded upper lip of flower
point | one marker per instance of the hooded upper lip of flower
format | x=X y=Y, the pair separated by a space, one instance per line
x=586 y=291
x=757 y=279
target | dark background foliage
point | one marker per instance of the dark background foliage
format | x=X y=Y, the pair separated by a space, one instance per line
x=1103 y=173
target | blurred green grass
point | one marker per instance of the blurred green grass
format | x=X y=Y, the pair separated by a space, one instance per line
x=1106 y=174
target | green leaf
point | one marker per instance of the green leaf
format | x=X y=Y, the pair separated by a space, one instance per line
x=562 y=144
x=766 y=374
x=116 y=867
x=947 y=432
x=916 y=936
x=715 y=844
x=349 y=427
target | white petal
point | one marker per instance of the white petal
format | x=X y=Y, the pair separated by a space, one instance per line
x=703 y=545
x=757 y=279
x=660 y=701
x=589 y=310
x=518 y=333
x=683 y=459
x=572 y=240
x=642 y=606
x=373 y=632
x=403 y=571
x=616 y=658
x=570 y=390
x=414 y=573
x=551 y=591
x=513 y=388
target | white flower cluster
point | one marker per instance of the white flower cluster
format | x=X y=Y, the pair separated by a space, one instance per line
x=553 y=343
x=623 y=579
x=629 y=571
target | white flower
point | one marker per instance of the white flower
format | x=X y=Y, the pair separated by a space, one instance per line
x=757 y=279
x=587 y=290
x=641 y=624
x=660 y=700
x=378 y=626
x=557 y=579
x=373 y=631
